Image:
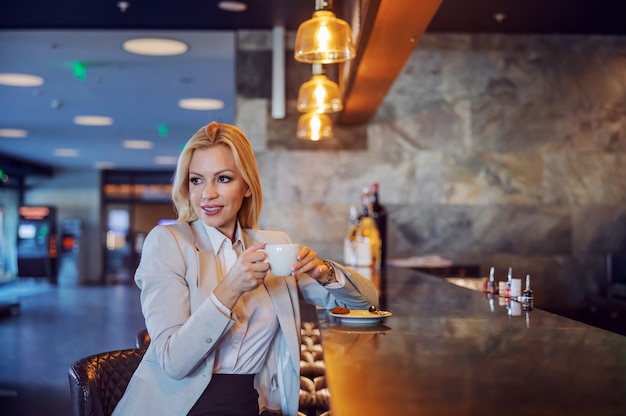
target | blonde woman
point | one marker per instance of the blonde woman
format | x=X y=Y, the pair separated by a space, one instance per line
x=225 y=332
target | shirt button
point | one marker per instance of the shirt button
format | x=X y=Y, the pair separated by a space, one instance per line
x=208 y=340
x=234 y=347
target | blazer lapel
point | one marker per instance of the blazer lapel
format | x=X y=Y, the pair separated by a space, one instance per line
x=208 y=265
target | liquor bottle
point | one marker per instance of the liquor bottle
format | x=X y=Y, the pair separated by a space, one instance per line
x=379 y=213
x=349 y=241
x=367 y=235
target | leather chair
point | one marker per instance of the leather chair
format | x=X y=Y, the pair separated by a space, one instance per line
x=143 y=339
x=98 y=382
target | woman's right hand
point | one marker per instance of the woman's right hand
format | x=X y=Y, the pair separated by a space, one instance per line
x=248 y=273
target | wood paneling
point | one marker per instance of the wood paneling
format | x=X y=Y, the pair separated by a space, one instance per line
x=388 y=33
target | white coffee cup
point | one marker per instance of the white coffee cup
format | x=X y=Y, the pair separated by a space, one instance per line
x=281 y=257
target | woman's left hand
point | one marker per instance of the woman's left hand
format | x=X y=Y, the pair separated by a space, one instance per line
x=309 y=263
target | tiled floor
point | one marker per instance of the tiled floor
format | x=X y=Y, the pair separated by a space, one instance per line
x=51 y=329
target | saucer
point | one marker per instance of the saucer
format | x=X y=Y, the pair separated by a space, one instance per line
x=359 y=329
x=360 y=317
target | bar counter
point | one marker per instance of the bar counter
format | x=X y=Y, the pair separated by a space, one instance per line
x=448 y=350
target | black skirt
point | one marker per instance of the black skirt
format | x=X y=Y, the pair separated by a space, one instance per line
x=228 y=395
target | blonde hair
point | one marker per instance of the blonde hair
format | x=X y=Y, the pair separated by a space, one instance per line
x=211 y=135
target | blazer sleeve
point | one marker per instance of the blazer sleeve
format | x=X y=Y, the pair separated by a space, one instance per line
x=357 y=293
x=181 y=337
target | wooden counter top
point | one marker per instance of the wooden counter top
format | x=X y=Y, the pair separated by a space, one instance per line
x=448 y=350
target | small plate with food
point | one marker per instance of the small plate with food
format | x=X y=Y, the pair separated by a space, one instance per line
x=347 y=316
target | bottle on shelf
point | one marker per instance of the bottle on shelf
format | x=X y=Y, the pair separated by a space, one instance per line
x=379 y=213
x=367 y=235
x=349 y=241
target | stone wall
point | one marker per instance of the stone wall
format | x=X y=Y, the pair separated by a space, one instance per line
x=494 y=150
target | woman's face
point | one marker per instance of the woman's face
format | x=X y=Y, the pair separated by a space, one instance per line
x=216 y=188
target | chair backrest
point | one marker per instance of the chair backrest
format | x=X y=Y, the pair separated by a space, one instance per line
x=98 y=382
x=143 y=339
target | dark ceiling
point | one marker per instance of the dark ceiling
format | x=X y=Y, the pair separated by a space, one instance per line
x=28 y=28
x=520 y=16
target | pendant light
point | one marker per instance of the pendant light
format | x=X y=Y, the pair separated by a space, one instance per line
x=324 y=38
x=319 y=94
x=315 y=127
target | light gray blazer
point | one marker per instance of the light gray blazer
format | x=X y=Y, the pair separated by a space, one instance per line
x=177 y=272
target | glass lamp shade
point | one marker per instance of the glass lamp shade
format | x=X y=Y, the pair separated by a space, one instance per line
x=324 y=39
x=315 y=127
x=319 y=94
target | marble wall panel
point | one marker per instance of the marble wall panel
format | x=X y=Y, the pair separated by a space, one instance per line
x=598 y=229
x=406 y=174
x=438 y=126
x=582 y=179
x=252 y=122
x=453 y=229
x=254 y=74
x=492 y=178
x=528 y=230
x=505 y=151
x=431 y=229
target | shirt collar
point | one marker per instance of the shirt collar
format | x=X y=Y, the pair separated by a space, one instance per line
x=218 y=239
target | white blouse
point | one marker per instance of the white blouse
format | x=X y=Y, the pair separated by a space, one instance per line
x=243 y=349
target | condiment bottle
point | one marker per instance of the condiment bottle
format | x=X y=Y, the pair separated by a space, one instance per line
x=527 y=294
x=492 y=287
x=509 y=280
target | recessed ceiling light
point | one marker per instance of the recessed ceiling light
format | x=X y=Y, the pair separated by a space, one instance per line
x=16 y=133
x=66 y=152
x=104 y=165
x=93 y=120
x=20 y=80
x=232 y=6
x=138 y=144
x=200 y=104
x=165 y=160
x=155 y=46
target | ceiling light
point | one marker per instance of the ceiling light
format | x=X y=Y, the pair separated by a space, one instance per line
x=138 y=144
x=104 y=165
x=123 y=5
x=66 y=152
x=232 y=6
x=315 y=127
x=324 y=39
x=13 y=133
x=20 y=80
x=319 y=94
x=200 y=104
x=165 y=160
x=155 y=46
x=93 y=120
